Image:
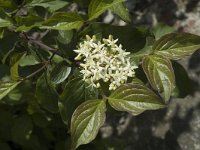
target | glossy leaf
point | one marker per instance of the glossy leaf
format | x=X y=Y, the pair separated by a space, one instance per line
x=51 y=5
x=134 y=98
x=177 y=45
x=6 y=88
x=46 y=95
x=121 y=11
x=60 y=72
x=97 y=7
x=160 y=74
x=63 y=21
x=86 y=121
x=76 y=91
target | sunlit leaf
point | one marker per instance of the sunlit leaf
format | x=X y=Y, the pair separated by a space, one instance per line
x=160 y=74
x=4 y=23
x=121 y=11
x=28 y=60
x=134 y=98
x=97 y=7
x=76 y=91
x=6 y=88
x=60 y=72
x=86 y=121
x=177 y=45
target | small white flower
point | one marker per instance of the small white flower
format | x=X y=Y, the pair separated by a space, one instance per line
x=104 y=60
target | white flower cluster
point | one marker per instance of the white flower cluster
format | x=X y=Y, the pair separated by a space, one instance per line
x=104 y=60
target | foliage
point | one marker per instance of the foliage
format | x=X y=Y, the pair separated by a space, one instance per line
x=45 y=102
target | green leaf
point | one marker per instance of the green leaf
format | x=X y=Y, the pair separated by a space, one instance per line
x=97 y=7
x=1 y=33
x=6 y=88
x=76 y=91
x=14 y=61
x=46 y=95
x=51 y=5
x=177 y=45
x=65 y=37
x=86 y=121
x=134 y=98
x=161 y=29
x=60 y=72
x=63 y=21
x=121 y=11
x=6 y=123
x=26 y=23
x=4 y=23
x=8 y=5
x=183 y=82
x=160 y=74
x=28 y=60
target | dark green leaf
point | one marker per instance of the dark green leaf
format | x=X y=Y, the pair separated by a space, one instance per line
x=8 y=5
x=40 y=120
x=97 y=7
x=183 y=82
x=51 y=5
x=63 y=21
x=76 y=91
x=86 y=121
x=22 y=129
x=121 y=11
x=177 y=45
x=6 y=122
x=60 y=72
x=47 y=95
x=28 y=22
x=134 y=98
x=134 y=40
x=160 y=74
x=6 y=88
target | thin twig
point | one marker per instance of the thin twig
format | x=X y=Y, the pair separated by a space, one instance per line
x=37 y=71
